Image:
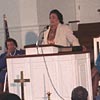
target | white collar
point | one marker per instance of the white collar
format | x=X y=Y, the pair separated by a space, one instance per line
x=13 y=53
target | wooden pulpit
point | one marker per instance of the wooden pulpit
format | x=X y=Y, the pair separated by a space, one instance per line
x=52 y=72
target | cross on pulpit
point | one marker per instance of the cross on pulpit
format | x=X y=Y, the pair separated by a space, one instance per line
x=22 y=80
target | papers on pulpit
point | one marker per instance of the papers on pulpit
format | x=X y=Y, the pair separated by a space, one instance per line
x=49 y=49
x=41 y=50
x=46 y=49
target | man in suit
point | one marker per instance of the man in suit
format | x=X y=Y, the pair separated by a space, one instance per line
x=11 y=50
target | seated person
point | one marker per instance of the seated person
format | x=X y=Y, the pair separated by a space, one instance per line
x=9 y=96
x=11 y=46
x=79 y=93
x=96 y=76
x=58 y=33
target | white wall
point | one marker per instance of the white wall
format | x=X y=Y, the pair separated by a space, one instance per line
x=11 y=9
x=29 y=21
x=28 y=12
x=88 y=11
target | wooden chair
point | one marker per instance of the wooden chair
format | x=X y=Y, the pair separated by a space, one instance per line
x=96 y=42
x=96 y=78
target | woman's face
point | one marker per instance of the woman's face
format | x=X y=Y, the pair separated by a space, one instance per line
x=54 y=19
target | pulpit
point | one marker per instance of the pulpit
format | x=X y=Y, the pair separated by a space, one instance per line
x=52 y=72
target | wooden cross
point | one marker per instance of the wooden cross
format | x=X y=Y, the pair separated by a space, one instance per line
x=22 y=80
x=48 y=95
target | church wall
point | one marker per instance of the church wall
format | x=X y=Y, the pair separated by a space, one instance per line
x=11 y=9
x=88 y=11
x=29 y=21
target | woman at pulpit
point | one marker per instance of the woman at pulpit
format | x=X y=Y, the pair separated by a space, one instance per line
x=96 y=77
x=58 y=33
x=11 y=50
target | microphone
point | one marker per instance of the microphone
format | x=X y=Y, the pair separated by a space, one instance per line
x=47 y=26
x=41 y=36
x=98 y=10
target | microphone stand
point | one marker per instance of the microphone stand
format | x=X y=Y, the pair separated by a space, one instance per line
x=40 y=38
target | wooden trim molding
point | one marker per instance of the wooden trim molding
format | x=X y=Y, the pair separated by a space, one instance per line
x=53 y=54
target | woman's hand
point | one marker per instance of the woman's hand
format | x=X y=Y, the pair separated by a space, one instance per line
x=84 y=48
x=8 y=52
x=94 y=72
x=50 y=42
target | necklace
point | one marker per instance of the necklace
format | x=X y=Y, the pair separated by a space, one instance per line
x=13 y=53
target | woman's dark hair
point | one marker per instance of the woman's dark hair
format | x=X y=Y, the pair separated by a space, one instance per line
x=59 y=15
x=79 y=93
x=10 y=40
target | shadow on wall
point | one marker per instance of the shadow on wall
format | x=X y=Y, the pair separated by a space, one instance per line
x=30 y=38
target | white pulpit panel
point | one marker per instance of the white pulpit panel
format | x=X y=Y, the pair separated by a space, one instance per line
x=17 y=65
x=57 y=74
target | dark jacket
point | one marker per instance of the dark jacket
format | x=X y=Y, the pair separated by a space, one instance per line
x=3 y=64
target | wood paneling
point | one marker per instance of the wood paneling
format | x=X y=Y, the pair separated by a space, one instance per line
x=86 y=33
